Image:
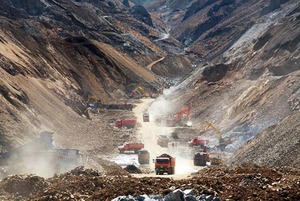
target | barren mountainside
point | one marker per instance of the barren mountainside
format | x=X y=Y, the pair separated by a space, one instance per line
x=207 y=91
x=54 y=54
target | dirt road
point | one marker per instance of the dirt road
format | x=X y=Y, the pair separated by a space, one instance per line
x=149 y=133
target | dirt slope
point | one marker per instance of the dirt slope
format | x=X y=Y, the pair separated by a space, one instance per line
x=253 y=83
x=54 y=54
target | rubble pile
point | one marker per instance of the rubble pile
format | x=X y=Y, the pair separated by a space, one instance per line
x=132 y=169
x=23 y=185
x=233 y=183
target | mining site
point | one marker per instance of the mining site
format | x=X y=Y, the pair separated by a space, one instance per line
x=150 y=100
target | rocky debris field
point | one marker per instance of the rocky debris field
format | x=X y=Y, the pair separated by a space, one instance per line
x=231 y=183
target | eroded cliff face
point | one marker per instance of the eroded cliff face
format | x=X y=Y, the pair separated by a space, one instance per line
x=54 y=54
x=247 y=74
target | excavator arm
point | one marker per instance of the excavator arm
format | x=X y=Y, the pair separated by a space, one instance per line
x=187 y=113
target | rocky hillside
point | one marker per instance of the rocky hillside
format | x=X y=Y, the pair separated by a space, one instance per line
x=54 y=54
x=247 y=77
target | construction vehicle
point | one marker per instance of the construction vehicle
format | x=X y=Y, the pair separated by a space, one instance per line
x=164 y=164
x=163 y=141
x=146 y=117
x=215 y=160
x=198 y=142
x=181 y=119
x=200 y=158
x=139 y=92
x=127 y=147
x=41 y=157
x=143 y=156
x=222 y=142
x=122 y=106
x=128 y=123
x=113 y=106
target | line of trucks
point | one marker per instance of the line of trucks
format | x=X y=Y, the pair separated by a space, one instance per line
x=163 y=163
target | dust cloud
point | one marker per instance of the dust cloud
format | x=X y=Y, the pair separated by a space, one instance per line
x=150 y=132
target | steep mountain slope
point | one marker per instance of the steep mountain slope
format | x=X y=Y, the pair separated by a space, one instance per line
x=54 y=54
x=253 y=80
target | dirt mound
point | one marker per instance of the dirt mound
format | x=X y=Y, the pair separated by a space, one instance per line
x=235 y=183
x=132 y=169
x=23 y=185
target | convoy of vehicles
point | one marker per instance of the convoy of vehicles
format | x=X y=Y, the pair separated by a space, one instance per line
x=164 y=164
x=128 y=147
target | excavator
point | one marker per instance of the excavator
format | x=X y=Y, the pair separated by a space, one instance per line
x=181 y=118
x=222 y=142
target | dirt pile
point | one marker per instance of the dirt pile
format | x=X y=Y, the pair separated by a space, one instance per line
x=235 y=183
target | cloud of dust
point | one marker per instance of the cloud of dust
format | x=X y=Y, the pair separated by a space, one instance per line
x=162 y=106
x=40 y=157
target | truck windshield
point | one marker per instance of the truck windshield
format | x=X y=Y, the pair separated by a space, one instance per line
x=162 y=160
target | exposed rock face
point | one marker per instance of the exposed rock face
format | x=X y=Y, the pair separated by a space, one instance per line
x=126 y=3
x=141 y=14
x=248 y=67
x=54 y=54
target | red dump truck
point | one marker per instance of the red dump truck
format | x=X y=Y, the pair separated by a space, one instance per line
x=164 y=164
x=131 y=147
x=128 y=123
x=201 y=158
x=197 y=142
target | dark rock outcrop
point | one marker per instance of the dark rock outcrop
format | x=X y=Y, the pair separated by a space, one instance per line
x=140 y=13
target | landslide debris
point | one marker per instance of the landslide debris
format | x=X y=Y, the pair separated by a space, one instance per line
x=235 y=183
x=276 y=146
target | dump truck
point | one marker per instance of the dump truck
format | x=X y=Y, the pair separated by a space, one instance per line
x=40 y=154
x=143 y=156
x=127 y=147
x=124 y=106
x=128 y=123
x=198 y=142
x=146 y=117
x=200 y=158
x=164 y=164
x=163 y=141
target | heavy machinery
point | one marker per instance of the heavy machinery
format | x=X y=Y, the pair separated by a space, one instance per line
x=95 y=103
x=163 y=141
x=222 y=142
x=126 y=147
x=164 y=164
x=146 y=117
x=139 y=92
x=41 y=157
x=181 y=119
x=128 y=123
x=200 y=158
x=198 y=142
x=143 y=156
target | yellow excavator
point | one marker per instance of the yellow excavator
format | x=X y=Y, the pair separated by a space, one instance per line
x=222 y=142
